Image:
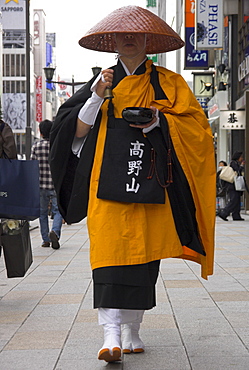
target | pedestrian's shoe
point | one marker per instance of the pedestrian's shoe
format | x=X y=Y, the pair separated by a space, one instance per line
x=111 y=350
x=221 y=216
x=238 y=219
x=54 y=239
x=45 y=245
x=131 y=341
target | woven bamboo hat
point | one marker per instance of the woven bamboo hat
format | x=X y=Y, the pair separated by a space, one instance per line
x=161 y=37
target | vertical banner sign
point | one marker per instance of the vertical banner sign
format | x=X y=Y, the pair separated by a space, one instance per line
x=49 y=53
x=39 y=99
x=194 y=59
x=36 y=29
x=209 y=24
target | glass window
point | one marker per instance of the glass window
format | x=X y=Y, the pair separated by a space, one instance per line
x=18 y=86
x=7 y=65
x=23 y=87
x=23 y=62
x=18 y=65
x=6 y=86
x=13 y=86
x=12 y=65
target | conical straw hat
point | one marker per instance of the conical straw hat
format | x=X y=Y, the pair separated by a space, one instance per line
x=161 y=37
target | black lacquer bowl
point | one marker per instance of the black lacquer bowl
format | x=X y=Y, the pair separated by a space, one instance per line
x=137 y=115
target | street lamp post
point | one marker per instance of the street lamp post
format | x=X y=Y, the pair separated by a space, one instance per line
x=96 y=70
x=49 y=73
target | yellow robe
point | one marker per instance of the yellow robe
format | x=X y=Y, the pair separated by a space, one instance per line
x=129 y=233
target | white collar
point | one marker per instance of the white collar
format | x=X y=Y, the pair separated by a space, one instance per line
x=126 y=69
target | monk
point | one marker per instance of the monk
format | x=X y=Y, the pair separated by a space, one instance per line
x=147 y=188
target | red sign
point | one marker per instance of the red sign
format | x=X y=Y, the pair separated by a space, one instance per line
x=62 y=86
x=39 y=99
x=36 y=30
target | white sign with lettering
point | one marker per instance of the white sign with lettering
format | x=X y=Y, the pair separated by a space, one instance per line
x=232 y=119
x=209 y=24
x=13 y=14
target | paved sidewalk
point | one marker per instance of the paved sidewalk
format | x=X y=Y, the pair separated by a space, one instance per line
x=47 y=321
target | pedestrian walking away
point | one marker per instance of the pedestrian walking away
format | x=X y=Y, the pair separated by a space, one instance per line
x=132 y=150
x=40 y=151
x=234 y=204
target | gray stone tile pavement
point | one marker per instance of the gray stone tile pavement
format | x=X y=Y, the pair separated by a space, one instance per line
x=47 y=321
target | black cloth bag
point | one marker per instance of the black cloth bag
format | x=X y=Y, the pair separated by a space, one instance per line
x=17 y=251
x=19 y=189
x=128 y=167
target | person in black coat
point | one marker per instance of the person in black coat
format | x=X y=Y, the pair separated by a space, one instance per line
x=233 y=205
x=7 y=141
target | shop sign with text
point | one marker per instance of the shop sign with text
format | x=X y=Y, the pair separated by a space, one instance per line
x=194 y=59
x=232 y=120
x=39 y=98
x=209 y=24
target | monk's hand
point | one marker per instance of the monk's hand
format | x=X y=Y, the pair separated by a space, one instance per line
x=104 y=82
x=149 y=124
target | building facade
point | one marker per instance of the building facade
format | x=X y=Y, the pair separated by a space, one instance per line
x=217 y=52
x=14 y=84
x=14 y=81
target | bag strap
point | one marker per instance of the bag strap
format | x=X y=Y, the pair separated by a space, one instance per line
x=159 y=95
x=154 y=80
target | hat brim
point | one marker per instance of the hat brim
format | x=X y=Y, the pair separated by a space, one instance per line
x=133 y=19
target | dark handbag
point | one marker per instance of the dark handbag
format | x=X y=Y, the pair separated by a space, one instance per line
x=221 y=188
x=17 y=250
x=221 y=192
x=19 y=189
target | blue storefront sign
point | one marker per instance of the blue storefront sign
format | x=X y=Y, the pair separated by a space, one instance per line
x=194 y=59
